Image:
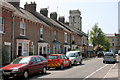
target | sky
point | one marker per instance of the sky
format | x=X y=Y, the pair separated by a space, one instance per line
x=103 y=12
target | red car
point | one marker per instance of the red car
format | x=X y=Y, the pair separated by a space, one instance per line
x=25 y=66
x=58 y=60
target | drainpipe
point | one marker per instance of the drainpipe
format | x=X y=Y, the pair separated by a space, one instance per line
x=70 y=43
x=0 y=56
x=12 y=56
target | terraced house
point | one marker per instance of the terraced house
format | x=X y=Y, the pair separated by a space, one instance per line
x=28 y=32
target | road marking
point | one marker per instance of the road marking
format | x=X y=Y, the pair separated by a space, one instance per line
x=95 y=72
x=109 y=71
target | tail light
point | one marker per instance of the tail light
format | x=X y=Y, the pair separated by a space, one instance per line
x=113 y=56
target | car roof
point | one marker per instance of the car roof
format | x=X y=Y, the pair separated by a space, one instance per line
x=29 y=56
x=72 y=51
x=109 y=53
x=55 y=54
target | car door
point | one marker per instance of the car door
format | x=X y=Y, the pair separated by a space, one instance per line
x=40 y=64
x=66 y=61
x=33 y=65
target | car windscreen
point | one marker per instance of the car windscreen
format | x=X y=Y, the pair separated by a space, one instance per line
x=52 y=57
x=24 y=60
x=108 y=54
x=70 y=54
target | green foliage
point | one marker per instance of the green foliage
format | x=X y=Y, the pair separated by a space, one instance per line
x=97 y=37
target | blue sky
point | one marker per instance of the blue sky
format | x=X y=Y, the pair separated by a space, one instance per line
x=103 y=12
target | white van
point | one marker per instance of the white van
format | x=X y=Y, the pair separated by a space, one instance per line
x=75 y=57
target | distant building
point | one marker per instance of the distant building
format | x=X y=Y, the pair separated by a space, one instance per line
x=119 y=17
x=114 y=41
x=75 y=19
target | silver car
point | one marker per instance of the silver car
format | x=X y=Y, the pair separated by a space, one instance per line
x=109 y=57
x=75 y=57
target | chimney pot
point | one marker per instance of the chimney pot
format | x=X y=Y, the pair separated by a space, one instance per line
x=30 y=7
x=44 y=12
x=62 y=19
x=53 y=16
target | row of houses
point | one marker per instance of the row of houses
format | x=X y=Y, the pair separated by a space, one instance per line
x=27 y=32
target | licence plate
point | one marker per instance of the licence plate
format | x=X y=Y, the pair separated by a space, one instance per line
x=6 y=73
x=108 y=57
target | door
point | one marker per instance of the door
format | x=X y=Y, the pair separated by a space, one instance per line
x=8 y=51
x=66 y=61
x=33 y=68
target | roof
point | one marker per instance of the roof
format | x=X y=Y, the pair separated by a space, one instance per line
x=21 y=12
x=110 y=35
x=46 y=20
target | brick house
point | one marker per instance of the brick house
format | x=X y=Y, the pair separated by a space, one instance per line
x=27 y=32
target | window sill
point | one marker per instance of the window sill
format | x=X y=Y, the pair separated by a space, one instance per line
x=41 y=38
x=22 y=35
x=2 y=32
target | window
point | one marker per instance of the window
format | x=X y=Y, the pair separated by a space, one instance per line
x=38 y=59
x=31 y=52
x=55 y=33
x=33 y=60
x=73 y=38
x=112 y=39
x=65 y=37
x=112 y=44
x=22 y=28
x=1 y=24
x=43 y=59
x=41 y=33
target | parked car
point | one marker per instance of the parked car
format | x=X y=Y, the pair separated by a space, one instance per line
x=109 y=57
x=118 y=52
x=25 y=66
x=75 y=57
x=58 y=61
x=100 y=54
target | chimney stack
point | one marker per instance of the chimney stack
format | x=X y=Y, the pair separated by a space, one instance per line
x=53 y=16
x=14 y=2
x=62 y=19
x=30 y=7
x=44 y=11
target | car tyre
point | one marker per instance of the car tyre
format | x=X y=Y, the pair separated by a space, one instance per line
x=44 y=71
x=103 y=61
x=25 y=74
x=80 y=62
x=75 y=63
x=5 y=78
x=70 y=65
x=61 y=67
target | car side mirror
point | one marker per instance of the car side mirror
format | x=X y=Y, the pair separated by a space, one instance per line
x=31 y=63
x=67 y=58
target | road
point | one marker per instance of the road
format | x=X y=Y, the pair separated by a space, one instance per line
x=92 y=69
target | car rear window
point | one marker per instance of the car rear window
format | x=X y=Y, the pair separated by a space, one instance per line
x=43 y=59
x=52 y=57
x=108 y=54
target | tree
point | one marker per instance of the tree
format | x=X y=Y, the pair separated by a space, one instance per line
x=97 y=37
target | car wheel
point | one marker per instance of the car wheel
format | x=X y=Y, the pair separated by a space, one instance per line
x=103 y=61
x=80 y=62
x=61 y=66
x=44 y=71
x=25 y=74
x=70 y=64
x=5 y=78
x=75 y=63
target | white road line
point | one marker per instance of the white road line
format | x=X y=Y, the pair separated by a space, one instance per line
x=109 y=71
x=95 y=72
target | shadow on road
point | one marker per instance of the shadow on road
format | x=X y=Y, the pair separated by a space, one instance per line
x=34 y=77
